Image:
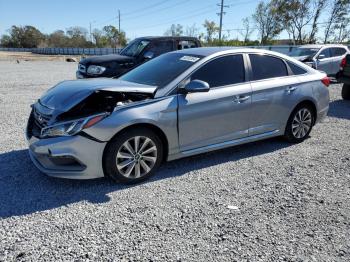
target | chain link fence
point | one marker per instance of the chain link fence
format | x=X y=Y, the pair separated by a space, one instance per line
x=284 y=49
x=65 y=50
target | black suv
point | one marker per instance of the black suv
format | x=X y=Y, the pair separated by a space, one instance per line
x=135 y=53
x=343 y=76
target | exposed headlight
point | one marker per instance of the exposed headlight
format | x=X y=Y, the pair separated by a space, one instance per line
x=73 y=127
x=95 y=70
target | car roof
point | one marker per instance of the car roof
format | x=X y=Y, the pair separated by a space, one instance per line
x=168 y=38
x=320 y=46
x=207 y=51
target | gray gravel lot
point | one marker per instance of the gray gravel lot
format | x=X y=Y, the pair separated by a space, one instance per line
x=293 y=200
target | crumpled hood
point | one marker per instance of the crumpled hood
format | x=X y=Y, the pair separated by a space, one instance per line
x=97 y=60
x=67 y=94
x=301 y=58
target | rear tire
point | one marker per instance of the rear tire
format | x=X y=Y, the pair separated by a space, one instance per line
x=300 y=124
x=133 y=156
x=345 y=92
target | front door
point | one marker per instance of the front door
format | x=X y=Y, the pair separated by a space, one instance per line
x=220 y=115
x=324 y=61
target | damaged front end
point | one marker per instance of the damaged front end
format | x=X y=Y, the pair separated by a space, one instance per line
x=68 y=108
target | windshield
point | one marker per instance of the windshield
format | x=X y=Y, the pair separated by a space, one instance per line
x=304 y=52
x=134 y=48
x=161 y=70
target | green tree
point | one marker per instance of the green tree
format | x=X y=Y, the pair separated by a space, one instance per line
x=26 y=36
x=57 y=39
x=268 y=20
x=338 y=15
x=114 y=37
x=211 y=29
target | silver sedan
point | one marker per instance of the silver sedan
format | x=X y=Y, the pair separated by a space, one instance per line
x=177 y=105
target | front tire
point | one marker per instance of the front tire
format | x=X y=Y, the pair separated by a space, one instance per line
x=345 y=92
x=133 y=155
x=300 y=124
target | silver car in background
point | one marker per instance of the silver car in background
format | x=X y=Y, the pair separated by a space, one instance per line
x=179 y=104
x=326 y=58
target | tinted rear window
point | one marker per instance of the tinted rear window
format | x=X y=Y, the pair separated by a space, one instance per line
x=338 y=51
x=296 y=69
x=264 y=66
x=222 y=71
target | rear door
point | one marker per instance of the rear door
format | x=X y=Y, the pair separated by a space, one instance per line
x=220 y=115
x=338 y=54
x=273 y=89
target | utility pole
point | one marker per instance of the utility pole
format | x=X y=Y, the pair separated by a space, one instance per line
x=119 y=20
x=90 y=33
x=221 y=15
x=90 y=30
x=119 y=27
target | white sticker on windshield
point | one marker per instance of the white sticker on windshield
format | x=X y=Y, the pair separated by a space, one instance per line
x=189 y=58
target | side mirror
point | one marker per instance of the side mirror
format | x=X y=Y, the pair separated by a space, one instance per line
x=196 y=86
x=321 y=56
x=148 y=55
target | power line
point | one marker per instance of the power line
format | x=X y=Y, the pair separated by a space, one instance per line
x=157 y=10
x=146 y=7
x=208 y=9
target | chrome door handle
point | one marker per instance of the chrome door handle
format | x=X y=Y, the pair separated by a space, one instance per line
x=291 y=89
x=240 y=99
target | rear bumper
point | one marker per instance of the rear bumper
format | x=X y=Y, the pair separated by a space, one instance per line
x=73 y=157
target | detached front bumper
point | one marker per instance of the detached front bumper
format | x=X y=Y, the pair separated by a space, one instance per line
x=74 y=157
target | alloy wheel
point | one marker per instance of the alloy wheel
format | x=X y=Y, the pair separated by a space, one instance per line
x=136 y=157
x=302 y=123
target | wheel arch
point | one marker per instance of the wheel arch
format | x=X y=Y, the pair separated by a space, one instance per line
x=312 y=105
x=157 y=130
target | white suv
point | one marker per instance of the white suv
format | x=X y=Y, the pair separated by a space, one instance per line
x=325 y=58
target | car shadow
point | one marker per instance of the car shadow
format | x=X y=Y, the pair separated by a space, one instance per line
x=339 y=109
x=25 y=190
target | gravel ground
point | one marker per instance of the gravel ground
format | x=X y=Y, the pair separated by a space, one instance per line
x=265 y=201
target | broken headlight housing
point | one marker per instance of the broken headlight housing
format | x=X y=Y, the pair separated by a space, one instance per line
x=95 y=70
x=71 y=128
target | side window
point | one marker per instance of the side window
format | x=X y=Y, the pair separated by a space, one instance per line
x=296 y=69
x=264 y=66
x=325 y=53
x=338 y=51
x=226 y=70
x=185 y=44
x=161 y=47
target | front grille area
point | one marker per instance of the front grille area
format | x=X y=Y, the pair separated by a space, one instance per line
x=82 y=68
x=36 y=122
x=40 y=119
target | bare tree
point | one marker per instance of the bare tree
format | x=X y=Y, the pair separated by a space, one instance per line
x=192 y=30
x=247 y=29
x=339 y=11
x=267 y=20
x=174 y=30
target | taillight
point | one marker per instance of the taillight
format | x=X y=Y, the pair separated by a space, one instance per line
x=326 y=81
x=343 y=63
